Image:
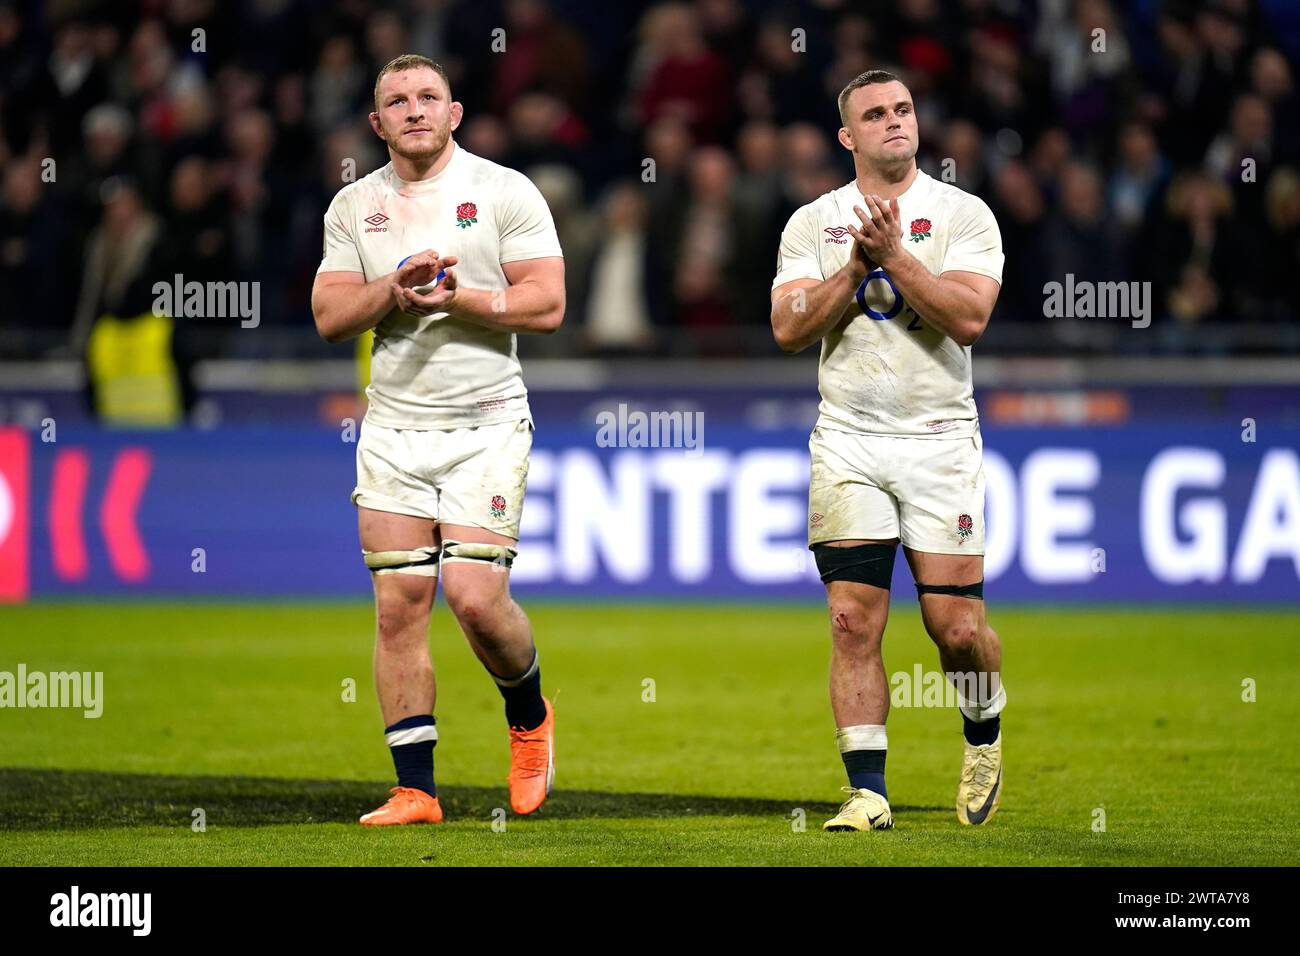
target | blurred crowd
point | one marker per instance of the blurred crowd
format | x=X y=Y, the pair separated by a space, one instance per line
x=672 y=140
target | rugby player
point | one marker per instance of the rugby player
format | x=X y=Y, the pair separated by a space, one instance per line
x=895 y=274
x=446 y=256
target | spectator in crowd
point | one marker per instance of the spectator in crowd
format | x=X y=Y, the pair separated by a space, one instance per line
x=576 y=228
x=617 y=317
x=1198 y=262
x=546 y=55
x=1082 y=241
x=759 y=178
x=338 y=84
x=30 y=262
x=197 y=245
x=963 y=149
x=1140 y=176
x=705 y=252
x=1271 y=79
x=1283 y=200
x=74 y=82
x=120 y=256
x=680 y=76
x=1248 y=137
x=1021 y=211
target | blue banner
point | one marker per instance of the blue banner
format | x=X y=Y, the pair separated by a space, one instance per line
x=1132 y=513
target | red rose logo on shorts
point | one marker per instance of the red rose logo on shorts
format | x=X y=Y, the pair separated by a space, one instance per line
x=921 y=230
x=965 y=527
x=498 y=506
x=466 y=215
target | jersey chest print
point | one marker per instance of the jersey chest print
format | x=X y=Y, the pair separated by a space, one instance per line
x=899 y=302
x=920 y=230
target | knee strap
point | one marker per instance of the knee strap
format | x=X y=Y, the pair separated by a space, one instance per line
x=421 y=561
x=974 y=591
x=863 y=563
x=500 y=555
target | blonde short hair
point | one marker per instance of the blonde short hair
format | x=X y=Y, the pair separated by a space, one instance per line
x=409 y=61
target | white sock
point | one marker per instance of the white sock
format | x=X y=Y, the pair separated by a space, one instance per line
x=980 y=711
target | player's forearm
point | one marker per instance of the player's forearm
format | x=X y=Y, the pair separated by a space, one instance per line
x=952 y=308
x=522 y=307
x=804 y=316
x=345 y=310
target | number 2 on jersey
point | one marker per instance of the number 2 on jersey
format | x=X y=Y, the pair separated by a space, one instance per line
x=898 y=306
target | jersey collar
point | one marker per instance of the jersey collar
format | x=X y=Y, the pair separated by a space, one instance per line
x=919 y=185
x=408 y=188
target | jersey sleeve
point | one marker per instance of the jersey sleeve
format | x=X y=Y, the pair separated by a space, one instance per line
x=341 y=253
x=798 y=257
x=526 y=227
x=976 y=243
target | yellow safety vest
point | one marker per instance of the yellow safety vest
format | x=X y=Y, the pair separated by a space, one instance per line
x=136 y=381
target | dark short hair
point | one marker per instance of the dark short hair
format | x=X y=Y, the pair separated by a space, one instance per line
x=862 y=79
x=409 y=61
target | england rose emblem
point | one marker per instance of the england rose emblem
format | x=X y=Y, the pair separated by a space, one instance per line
x=498 y=506
x=920 y=229
x=466 y=215
x=965 y=527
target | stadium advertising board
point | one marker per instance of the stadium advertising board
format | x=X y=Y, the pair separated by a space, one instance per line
x=1140 y=513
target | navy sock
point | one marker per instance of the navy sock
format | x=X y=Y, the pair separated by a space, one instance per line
x=411 y=742
x=980 y=732
x=525 y=708
x=866 y=769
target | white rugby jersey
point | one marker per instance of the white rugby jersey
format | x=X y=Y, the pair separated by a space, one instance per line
x=437 y=372
x=885 y=371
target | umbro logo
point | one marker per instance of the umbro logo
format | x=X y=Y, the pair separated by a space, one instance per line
x=836 y=234
x=376 y=222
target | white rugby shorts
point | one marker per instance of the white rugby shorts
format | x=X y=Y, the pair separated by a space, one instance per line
x=926 y=492
x=463 y=476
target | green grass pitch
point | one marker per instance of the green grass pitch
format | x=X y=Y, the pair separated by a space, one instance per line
x=238 y=710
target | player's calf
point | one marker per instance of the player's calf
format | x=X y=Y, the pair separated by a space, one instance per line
x=971 y=655
x=531 y=721
x=495 y=626
x=857 y=577
x=405 y=581
x=501 y=636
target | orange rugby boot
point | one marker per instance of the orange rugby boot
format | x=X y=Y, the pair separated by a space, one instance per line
x=532 y=763
x=406 y=805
